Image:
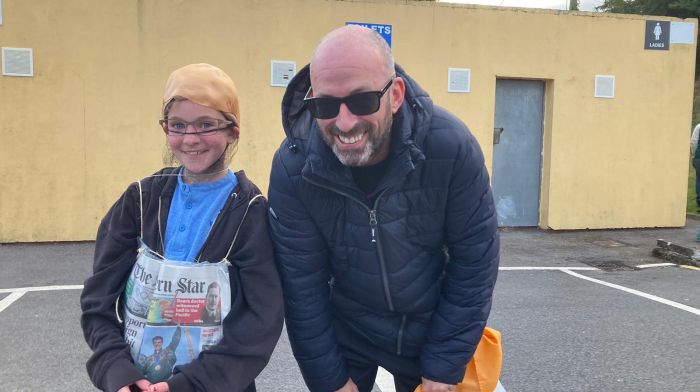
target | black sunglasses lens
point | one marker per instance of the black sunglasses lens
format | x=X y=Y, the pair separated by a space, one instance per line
x=363 y=104
x=360 y=104
x=324 y=108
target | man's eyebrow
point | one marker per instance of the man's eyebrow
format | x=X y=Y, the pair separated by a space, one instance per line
x=358 y=90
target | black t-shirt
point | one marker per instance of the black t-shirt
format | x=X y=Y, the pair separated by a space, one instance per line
x=368 y=177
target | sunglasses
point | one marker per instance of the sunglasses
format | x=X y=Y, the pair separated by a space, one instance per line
x=360 y=104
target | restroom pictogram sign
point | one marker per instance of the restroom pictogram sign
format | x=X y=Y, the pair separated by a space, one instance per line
x=657 y=34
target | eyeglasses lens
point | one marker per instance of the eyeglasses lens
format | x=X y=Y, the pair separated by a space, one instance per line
x=202 y=126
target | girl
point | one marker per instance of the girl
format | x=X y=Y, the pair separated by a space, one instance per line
x=184 y=294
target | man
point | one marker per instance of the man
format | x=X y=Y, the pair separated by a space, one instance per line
x=383 y=222
x=211 y=313
x=695 y=135
x=159 y=366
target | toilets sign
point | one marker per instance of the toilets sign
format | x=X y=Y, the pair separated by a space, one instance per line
x=382 y=29
x=657 y=34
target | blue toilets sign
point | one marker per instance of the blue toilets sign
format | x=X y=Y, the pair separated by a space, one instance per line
x=382 y=29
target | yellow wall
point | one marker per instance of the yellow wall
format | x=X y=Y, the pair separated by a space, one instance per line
x=85 y=126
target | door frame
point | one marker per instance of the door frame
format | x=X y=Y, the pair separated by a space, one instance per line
x=545 y=148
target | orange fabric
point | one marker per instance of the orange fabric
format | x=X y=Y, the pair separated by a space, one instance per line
x=484 y=369
x=206 y=85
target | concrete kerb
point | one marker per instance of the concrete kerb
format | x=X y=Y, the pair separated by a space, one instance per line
x=677 y=253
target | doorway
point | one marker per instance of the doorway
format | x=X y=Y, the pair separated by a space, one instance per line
x=517 y=151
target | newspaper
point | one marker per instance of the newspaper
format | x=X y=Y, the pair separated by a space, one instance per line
x=166 y=301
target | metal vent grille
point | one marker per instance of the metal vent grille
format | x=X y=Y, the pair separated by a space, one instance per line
x=17 y=62
x=610 y=265
x=459 y=80
x=604 y=86
x=282 y=72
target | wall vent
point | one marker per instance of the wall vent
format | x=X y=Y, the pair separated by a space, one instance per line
x=17 y=62
x=282 y=72
x=459 y=80
x=605 y=86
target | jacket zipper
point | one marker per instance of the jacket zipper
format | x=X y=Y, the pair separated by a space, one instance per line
x=399 y=339
x=331 y=284
x=374 y=224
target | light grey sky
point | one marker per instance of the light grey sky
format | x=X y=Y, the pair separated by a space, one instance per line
x=584 y=5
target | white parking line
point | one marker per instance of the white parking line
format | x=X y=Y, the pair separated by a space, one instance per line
x=655 y=265
x=43 y=288
x=7 y=301
x=384 y=380
x=18 y=292
x=637 y=292
x=547 y=268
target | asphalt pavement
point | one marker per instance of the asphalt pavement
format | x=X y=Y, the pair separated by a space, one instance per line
x=578 y=310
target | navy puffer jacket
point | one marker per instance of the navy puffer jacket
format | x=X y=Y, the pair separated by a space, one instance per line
x=414 y=271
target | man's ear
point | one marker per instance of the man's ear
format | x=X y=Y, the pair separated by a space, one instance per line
x=397 y=91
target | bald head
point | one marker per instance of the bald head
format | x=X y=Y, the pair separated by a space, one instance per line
x=342 y=45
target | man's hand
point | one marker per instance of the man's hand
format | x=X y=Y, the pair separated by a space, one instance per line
x=349 y=387
x=434 y=386
x=142 y=384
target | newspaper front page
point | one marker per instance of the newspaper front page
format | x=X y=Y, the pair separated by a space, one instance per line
x=173 y=311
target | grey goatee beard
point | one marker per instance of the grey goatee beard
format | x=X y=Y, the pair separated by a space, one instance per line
x=376 y=139
x=355 y=158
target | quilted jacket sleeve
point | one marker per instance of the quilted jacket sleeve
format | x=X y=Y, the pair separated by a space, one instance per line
x=472 y=241
x=302 y=260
